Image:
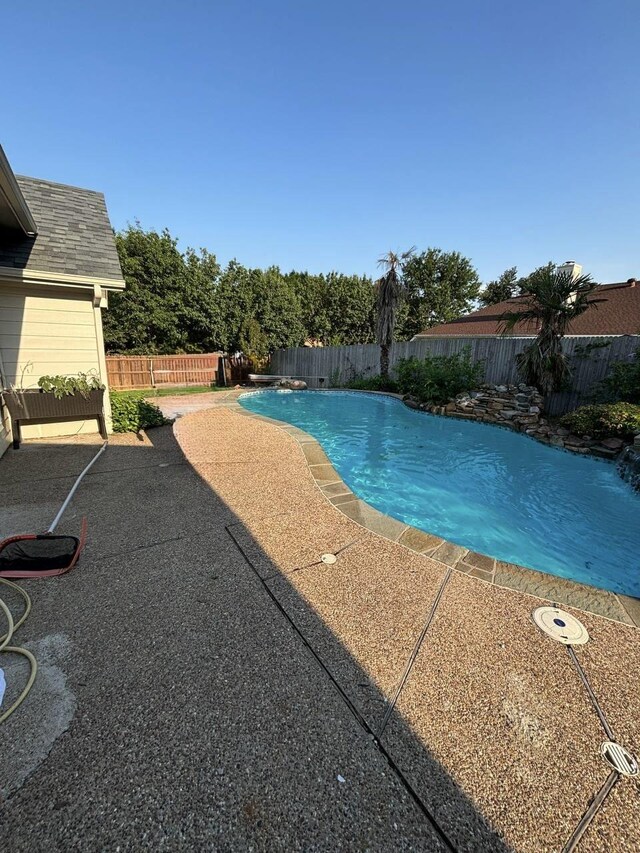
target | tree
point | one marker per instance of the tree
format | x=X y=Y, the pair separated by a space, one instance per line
x=168 y=304
x=553 y=299
x=503 y=288
x=508 y=285
x=440 y=286
x=254 y=343
x=265 y=296
x=389 y=292
x=336 y=309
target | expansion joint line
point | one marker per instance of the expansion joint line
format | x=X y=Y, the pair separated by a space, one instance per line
x=414 y=654
x=591 y=694
x=311 y=565
x=594 y=807
x=350 y=705
x=598 y=801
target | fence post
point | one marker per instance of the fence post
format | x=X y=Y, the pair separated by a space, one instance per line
x=153 y=379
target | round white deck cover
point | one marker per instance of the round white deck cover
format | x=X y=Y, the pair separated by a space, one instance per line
x=560 y=625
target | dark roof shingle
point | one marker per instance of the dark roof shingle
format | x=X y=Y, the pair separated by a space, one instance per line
x=74 y=233
x=614 y=310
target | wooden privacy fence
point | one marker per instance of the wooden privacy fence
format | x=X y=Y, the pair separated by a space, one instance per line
x=149 y=371
x=590 y=361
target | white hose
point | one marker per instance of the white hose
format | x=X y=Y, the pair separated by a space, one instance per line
x=56 y=520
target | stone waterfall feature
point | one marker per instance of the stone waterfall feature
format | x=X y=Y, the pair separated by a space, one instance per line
x=629 y=464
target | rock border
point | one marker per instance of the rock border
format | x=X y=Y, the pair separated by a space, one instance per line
x=520 y=408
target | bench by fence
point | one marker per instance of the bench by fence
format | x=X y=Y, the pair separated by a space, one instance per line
x=149 y=371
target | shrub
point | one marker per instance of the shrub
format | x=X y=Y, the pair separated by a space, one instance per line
x=372 y=383
x=620 y=420
x=623 y=382
x=133 y=413
x=437 y=378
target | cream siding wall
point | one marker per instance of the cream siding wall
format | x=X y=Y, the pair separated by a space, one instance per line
x=50 y=330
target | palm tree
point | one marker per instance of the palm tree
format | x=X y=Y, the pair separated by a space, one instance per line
x=389 y=293
x=552 y=299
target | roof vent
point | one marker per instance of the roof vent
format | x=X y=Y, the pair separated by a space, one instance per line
x=631 y=282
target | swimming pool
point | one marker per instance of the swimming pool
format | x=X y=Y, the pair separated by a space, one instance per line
x=485 y=488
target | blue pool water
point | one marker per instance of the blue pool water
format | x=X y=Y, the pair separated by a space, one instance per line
x=482 y=487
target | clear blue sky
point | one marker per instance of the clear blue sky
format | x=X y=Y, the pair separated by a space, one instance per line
x=318 y=134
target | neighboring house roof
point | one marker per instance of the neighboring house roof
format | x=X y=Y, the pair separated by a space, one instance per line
x=614 y=310
x=74 y=236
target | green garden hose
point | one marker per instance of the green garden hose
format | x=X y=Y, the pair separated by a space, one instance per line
x=13 y=626
x=5 y=647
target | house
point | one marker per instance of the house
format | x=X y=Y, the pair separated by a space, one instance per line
x=614 y=311
x=58 y=262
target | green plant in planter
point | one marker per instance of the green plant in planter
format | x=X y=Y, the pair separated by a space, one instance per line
x=63 y=386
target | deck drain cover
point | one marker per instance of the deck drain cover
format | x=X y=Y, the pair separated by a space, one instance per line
x=560 y=625
x=619 y=758
x=329 y=559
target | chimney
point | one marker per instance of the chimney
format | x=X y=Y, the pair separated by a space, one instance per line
x=571 y=267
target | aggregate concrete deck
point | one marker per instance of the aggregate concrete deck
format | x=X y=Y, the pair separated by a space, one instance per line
x=175 y=707
x=207 y=682
x=492 y=726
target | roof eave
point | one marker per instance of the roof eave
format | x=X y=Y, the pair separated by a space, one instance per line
x=11 y=275
x=12 y=194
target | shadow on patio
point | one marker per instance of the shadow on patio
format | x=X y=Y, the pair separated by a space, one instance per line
x=200 y=689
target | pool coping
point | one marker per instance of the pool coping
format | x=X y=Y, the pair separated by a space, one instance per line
x=611 y=605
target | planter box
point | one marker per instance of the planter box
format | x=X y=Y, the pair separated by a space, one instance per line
x=36 y=406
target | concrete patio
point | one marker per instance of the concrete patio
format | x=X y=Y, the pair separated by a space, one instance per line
x=207 y=682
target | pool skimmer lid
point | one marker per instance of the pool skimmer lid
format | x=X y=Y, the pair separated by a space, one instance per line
x=560 y=626
x=619 y=758
x=329 y=559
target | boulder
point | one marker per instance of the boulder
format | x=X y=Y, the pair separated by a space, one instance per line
x=604 y=452
x=572 y=441
x=293 y=384
x=612 y=443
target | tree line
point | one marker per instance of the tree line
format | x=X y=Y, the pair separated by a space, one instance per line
x=179 y=301
x=185 y=301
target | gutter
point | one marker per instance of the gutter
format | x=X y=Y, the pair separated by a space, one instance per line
x=12 y=194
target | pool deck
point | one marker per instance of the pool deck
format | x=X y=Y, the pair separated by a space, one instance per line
x=434 y=648
x=207 y=682
x=621 y=608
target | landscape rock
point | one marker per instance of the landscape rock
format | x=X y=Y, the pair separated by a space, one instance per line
x=519 y=408
x=293 y=384
x=612 y=443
